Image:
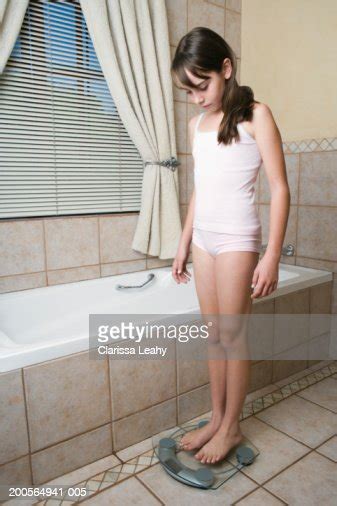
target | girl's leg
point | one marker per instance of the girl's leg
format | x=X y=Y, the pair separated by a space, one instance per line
x=205 y=282
x=234 y=273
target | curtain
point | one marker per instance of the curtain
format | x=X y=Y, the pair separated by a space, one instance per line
x=131 y=41
x=12 y=13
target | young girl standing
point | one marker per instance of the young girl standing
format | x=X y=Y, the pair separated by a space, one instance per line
x=229 y=140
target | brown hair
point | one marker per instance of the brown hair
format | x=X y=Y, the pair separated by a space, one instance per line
x=203 y=50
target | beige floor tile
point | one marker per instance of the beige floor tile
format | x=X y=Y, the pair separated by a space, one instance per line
x=311 y=481
x=259 y=497
x=130 y=491
x=173 y=493
x=301 y=419
x=323 y=393
x=329 y=449
x=277 y=451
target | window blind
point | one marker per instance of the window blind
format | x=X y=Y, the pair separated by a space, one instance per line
x=63 y=147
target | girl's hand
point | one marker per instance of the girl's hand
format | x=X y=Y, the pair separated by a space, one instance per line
x=179 y=271
x=265 y=277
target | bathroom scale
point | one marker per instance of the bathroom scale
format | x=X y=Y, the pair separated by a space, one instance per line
x=182 y=466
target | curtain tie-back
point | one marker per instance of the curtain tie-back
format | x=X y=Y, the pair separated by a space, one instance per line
x=171 y=163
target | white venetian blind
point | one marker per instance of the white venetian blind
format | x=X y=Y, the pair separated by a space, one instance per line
x=63 y=147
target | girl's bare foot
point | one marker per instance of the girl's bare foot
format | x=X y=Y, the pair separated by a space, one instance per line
x=196 y=438
x=221 y=443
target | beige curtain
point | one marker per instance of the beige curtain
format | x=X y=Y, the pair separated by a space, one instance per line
x=132 y=45
x=12 y=13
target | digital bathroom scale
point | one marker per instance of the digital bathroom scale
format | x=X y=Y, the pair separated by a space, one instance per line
x=182 y=466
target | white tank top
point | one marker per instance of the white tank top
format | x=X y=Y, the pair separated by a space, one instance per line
x=224 y=178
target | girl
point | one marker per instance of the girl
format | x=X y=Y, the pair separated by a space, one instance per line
x=229 y=140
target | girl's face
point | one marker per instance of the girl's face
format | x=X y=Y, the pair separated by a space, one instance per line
x=209 y=91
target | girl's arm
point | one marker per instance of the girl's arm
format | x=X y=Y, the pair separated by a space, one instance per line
x=179 y=270
x=269 y=141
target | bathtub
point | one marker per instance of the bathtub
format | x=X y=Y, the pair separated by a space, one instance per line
x=50 y=322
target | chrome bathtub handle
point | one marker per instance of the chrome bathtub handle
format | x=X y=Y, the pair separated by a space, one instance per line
x=150 y=277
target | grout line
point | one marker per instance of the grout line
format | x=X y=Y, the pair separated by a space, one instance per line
x=150 y=490
x=313 y=402
x=153 y=456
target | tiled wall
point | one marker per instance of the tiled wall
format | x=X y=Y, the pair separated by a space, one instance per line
x=38 y=252
x=73 y=410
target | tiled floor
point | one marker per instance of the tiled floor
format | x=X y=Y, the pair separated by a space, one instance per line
x=293 y=423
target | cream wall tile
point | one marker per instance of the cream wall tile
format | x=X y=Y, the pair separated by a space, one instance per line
x=319 y=348
x=316 y=263
x=62 y=398
x=201 y=13
x=137 y=427
x=192 y=365
x=71 y=242
x=73 y=275
x=261 y=375
x=154 y=262
x=234 y=5
x=122 y=267
x=21 y=247
x=233 y=31
x=220 y=3
x=138 y=384
x=291 y=330
x=238 y=71
x=181 y=127
x=290 y=362
x=320 y=308
x=72 y=454
x=261 y=330
x=318 y=179
x=112 y=229
x=22 y=282
x=194 y=403
x=315 y=234
x=16 y=473
x=177 y=19
x=14 y=443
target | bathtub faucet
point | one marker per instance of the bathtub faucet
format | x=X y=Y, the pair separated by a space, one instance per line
x=288 y=250
x=150 y=277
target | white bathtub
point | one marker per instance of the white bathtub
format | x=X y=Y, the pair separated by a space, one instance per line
x=50 y=322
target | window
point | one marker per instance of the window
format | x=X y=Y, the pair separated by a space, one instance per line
x=64 y=149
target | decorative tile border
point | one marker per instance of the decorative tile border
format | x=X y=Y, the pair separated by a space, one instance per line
x=310 y=145
x=147 y=459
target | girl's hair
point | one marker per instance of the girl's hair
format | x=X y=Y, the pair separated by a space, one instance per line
x=203 y=50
